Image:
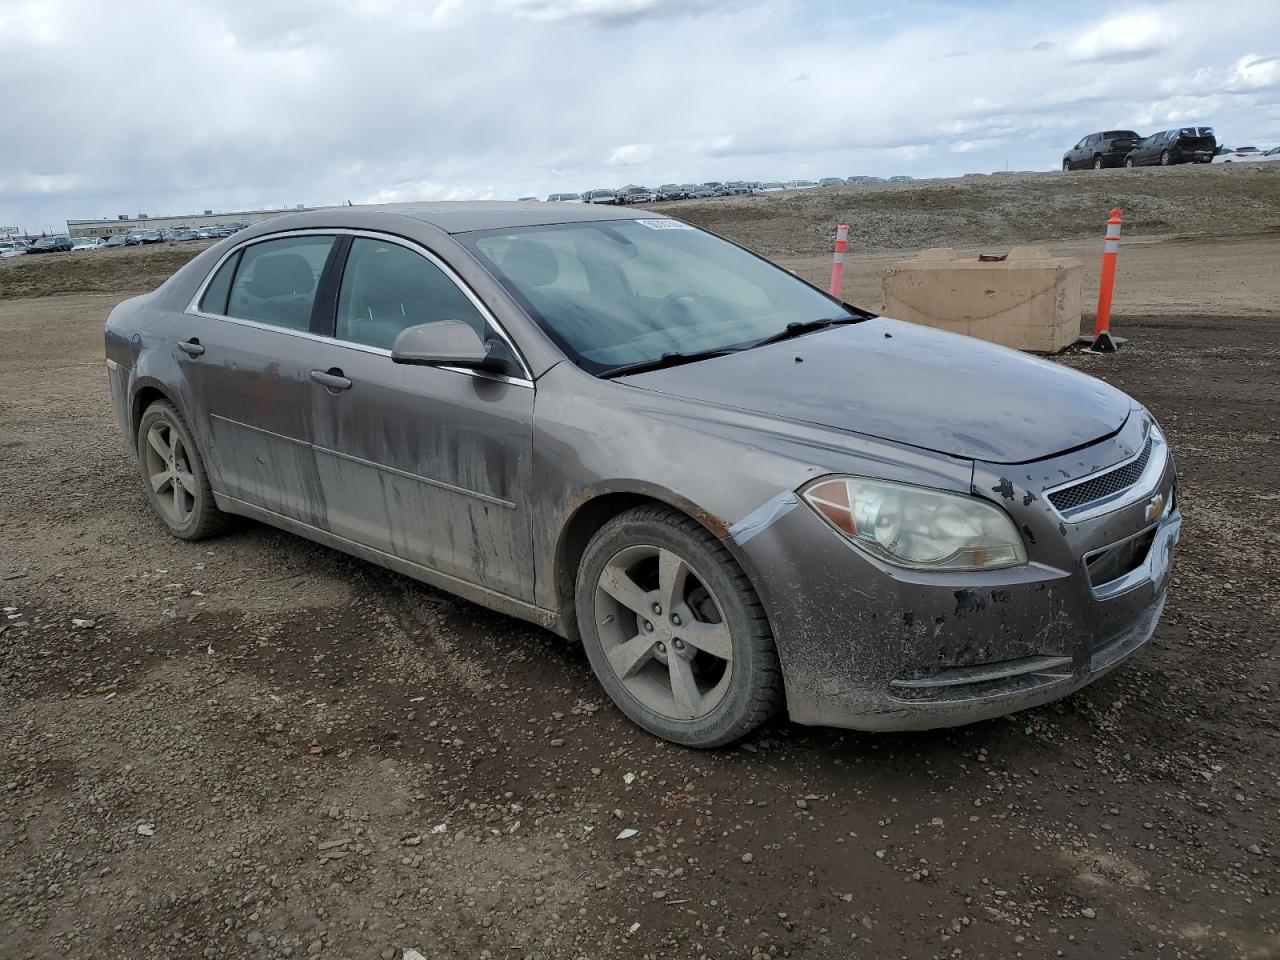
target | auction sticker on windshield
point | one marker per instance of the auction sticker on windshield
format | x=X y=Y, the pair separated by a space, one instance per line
x=664 y=224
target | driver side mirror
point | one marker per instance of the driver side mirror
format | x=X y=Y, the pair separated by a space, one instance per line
x=450 y=343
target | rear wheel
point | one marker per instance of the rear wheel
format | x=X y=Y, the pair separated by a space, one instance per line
x=674 y=630
x=174 y=475
x=1066 y=166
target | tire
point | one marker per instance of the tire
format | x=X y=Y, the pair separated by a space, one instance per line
x=1164 y=158
x=647 y=555
x=1097 y=163
x=1128 y=162
x=175 y=479
x=1066 y=166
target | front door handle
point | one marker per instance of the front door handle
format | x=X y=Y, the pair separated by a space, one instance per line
x=191 y=348
x=331 y=378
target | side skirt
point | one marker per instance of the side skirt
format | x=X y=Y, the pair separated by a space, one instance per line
x=473 y=592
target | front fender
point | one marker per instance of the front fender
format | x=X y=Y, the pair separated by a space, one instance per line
x=733 y=471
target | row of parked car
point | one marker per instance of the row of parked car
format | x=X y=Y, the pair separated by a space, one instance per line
x=1126 y=148
x=712 y=188
x=60 y=243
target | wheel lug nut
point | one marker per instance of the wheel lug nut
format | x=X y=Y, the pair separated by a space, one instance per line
x=657 y=609
x=675 y=618
x=679 y=644
x=662 y=648
x=648 y=627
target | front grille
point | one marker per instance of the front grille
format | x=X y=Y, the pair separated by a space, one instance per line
x=1102 y=484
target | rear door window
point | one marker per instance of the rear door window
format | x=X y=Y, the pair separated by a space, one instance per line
x=277 y=279
x=387 y=287
x=215 y=294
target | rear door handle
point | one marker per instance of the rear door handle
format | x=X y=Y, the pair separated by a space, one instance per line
x=191 y=348
x=331 y=378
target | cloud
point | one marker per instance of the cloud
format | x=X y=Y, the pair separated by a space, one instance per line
x=630 y=154
x=1250 y=74
x=227 y=104
x=1124 y=39
x=608 y=12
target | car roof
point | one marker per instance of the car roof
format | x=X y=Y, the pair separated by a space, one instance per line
x=450 y=216
x=463 y=216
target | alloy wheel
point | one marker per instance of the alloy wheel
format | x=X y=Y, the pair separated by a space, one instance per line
x=662 y=632
x=168 y=468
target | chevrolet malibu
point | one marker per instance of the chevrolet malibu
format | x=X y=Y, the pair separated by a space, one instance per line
x=735 y=491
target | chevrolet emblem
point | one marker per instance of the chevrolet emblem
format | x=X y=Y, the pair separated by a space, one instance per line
x=1155 y=507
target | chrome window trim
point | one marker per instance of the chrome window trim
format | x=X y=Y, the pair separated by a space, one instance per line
x=1147 y=481
x=193 y=308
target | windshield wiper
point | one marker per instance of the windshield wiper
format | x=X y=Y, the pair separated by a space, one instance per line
x=664 y=361
x=799 y=328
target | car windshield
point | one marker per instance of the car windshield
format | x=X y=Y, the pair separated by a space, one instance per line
x=622 y=292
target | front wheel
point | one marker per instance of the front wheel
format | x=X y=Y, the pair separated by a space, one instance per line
x=174 y=475
x=1097 y=163
x=674 y=631
x=1164 y=158
x=1066 y=166
x=1128 y=161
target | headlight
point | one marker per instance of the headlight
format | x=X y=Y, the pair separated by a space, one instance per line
x=917 y=527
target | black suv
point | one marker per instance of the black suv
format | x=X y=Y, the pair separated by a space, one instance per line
x=60 y=243
x=1098 y=150
x=1183 y=145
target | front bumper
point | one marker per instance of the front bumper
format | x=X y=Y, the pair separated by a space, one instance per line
x=869 y=646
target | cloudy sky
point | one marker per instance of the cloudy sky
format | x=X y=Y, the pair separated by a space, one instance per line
x=172 y=106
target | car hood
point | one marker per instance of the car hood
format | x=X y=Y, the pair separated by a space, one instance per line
x=909 y=384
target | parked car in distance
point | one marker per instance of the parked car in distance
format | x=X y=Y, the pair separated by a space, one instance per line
x=12 y=248
x=635 y=194
x=698 y=191
x=771 y=186
x=901 y=178
x=600 y=196
x=1181 y=145
x=497 y=440
x=1098 y=150
x=854 y=181
x=136 y=238
x=801 y=184
x=60 y=243
x=1265 y=156
x=1235 y=154
x=85 y=243
x=563 y=198
x=116 y=240
x=671 y=191
x=738 y=188
x=831 y=182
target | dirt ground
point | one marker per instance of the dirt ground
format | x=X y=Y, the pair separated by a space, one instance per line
x=258 y=747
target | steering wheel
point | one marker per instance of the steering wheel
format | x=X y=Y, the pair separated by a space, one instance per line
x=683 y=297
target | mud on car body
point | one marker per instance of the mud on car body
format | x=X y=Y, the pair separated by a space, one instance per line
x=736 y=491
